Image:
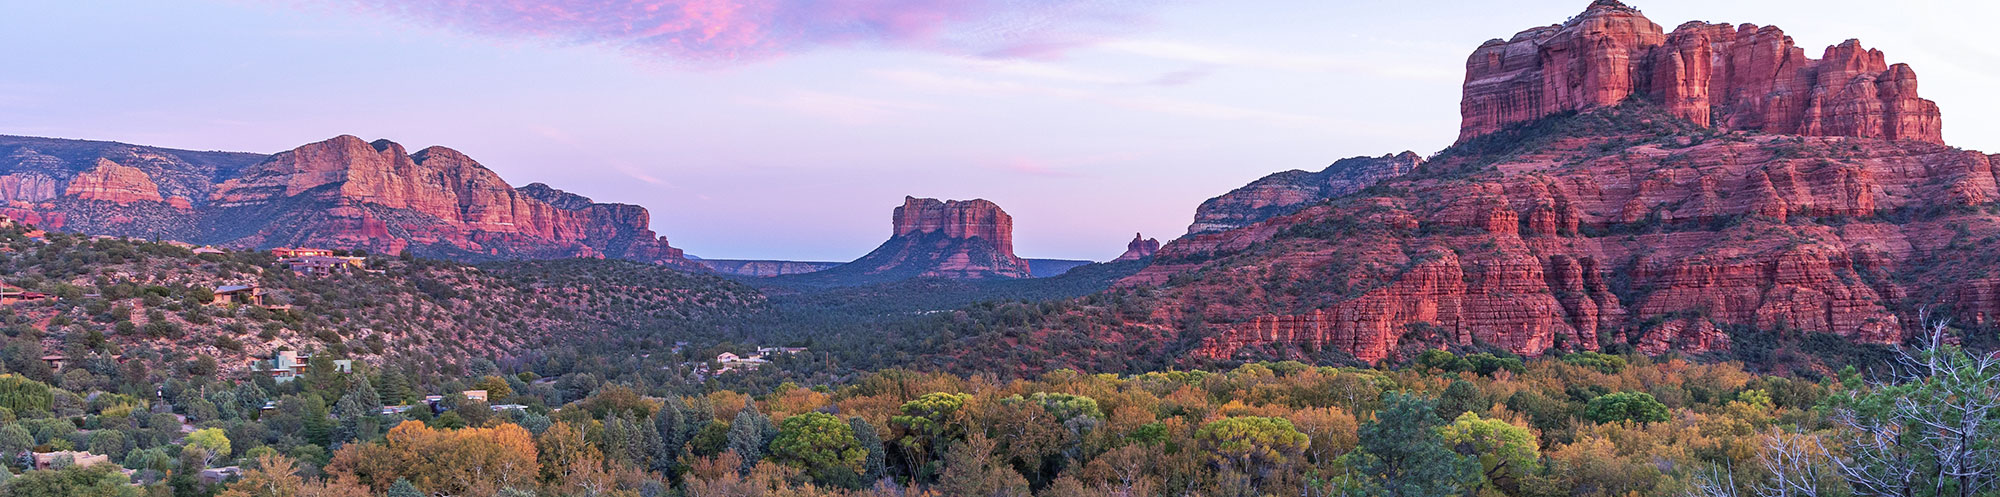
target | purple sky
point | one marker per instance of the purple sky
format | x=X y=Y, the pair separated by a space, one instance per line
x=788 y=129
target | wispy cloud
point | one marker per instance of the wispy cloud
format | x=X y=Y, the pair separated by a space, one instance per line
x=721 y=31
x=844 y=109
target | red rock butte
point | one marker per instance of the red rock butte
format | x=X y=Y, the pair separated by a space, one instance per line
x=1743 y=77
x=1140 y=248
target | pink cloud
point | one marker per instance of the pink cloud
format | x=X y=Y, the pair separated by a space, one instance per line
x=735 y=30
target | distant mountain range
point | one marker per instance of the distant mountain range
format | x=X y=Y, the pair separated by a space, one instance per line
x=342 y=193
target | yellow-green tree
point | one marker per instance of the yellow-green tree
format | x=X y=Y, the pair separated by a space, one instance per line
x=1507 y=453
x=821 y=445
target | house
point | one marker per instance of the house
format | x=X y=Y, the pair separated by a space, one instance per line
x=10 y=294
x=208 y=250
x=508 y=407
x=286 y=253
x=288 y=365
x=388 y=410
x=213 y=476
x=324 y=265
x=76 y=458
x=731 y=361
x=478 y=395
x=771 y=351
x=238 y=294
x=55 y=361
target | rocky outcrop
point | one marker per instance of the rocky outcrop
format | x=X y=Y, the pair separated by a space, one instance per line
x=969 y=239
x=1139 y=248
x=378 y=197
x=1731 y=77
x=1661 y=245
x=340 y=193
x=1288 y=192
x=114 y=183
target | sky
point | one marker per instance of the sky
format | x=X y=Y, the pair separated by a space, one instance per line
x=789 y=129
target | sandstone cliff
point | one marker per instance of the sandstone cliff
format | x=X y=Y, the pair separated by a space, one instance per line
x=340 y=193
x=969 y=239
x=1287 y=192
x=1659 y=245
x=1732 y=77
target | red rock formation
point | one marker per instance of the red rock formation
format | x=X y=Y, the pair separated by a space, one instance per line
x=971 y=239
x=442 y=201
x=342 y=193
x=112 y=182
x=1139 y=248
x=1731 y=77
x=1661 y=246
x=1288 y=192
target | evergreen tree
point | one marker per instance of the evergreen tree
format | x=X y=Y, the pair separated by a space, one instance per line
x=670 y=424
x=878 y=458
x=403 y=488
x=1402 y=454
x=1460 y=398
x=746 y=435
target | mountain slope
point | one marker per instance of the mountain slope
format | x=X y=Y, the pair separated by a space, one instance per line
x=340 y=193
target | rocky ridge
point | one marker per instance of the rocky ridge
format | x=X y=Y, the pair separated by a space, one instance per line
x=1287 y=192
x=1734 y=77
x=1571 y=216
x=340 y=193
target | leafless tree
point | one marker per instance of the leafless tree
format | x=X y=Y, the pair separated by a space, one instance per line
x=1796 y=464
x=1930 y=430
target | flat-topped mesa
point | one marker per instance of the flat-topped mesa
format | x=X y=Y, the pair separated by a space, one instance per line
x=957 y=219
x=970 y=239
x=1140 y=248
x=1731 y=77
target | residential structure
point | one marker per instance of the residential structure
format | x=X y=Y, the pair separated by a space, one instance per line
x=324 y=265
x=288 y=365
x=77 y=458
x=212 y=476
x=238 y=294
x=286 y=253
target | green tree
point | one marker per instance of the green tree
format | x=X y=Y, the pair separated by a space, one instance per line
x=931 y=423
x=1402 y=454
x=496 y=387
x=1260 y=448
x=1506 y=453
x=746 y=435
x=821 y=445
x=14 y=438
x=403 y=488
x=27 y=398
x=1460 y=398
x=1625 y=406
x=96 y=480
x=875 y=468
x=212 y=440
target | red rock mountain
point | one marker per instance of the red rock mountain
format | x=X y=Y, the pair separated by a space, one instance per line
x=1287 y=192
x=1732 y=77
x=1140 y=248
x=1816 y=199
x=968 y=239
x=339 y=193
